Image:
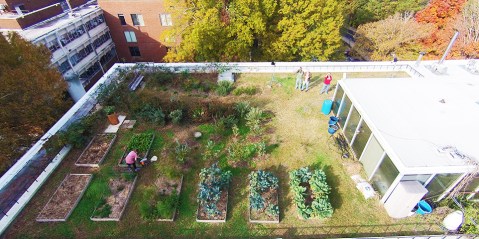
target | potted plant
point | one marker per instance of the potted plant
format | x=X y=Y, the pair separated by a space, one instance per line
x=112 y=116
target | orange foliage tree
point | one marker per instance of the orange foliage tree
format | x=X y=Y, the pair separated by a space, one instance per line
x=32 y=96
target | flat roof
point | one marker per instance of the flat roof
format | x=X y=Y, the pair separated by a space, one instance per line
x=415 y=116
x=36 y=31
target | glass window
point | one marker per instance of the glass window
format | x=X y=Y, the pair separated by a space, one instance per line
x=440 y=183
x=384 y=176
x=422 y=178
x=344 y=110
x=137 y=20
x=166 y=20
x=353 y=122
x=371 y=156
x=130 y=36
x=337 y=99
x=361 y=139
x=134 y=51
x=122 y=19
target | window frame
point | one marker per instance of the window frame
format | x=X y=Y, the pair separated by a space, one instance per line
x=134 y=50
x=137 y=19
x=130 y=36
x=165 y=20
x=122 y=19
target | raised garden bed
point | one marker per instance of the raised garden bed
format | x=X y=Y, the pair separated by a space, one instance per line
x=161 y=200
x=65 y=198
x=311 y=193
x=213 y=195
x=263 y=197
x=142 y=142
x=111 y=207
x=96 y=150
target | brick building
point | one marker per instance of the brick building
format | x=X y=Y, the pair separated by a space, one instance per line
x=136 y=27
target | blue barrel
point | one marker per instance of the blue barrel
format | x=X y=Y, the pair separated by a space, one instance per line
x=326 y=109
x=423 y=208
x=333 y=120
x=332 y=129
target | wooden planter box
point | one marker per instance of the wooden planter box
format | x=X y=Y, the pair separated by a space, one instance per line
x=122 y=162
x=176 y=207
x=105 y=219
x=211 y=220
x=263 y=221
x=99 y=158
x=66 y=197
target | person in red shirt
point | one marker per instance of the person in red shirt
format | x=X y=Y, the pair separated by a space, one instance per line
x=131 y=160
x=326 y=84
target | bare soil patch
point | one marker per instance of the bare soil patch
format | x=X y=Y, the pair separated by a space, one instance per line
x=95 y=152
x=64 y=200
x=270 y=198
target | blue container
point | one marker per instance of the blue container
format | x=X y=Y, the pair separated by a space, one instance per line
x=423 y=208
x=333 y=120
x=326 y=109
x=332 y=129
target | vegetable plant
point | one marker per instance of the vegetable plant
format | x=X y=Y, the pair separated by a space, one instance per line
x=181 y=151
x=260 y=183
x=213 y=181
x=300 y=181
x=141 y=142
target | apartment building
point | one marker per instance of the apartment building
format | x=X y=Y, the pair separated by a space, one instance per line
x=74 y=31
x=136 y=27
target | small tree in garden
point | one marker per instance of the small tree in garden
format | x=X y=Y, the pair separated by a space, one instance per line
x=213 y=182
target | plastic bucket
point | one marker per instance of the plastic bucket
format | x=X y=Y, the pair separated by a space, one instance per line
x=423 y=208
x=333 y=120
x=326 y=109
x=332 y=129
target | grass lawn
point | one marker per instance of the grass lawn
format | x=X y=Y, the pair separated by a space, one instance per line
x=296 y=137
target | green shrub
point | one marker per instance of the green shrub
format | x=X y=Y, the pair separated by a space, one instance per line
x=253 y=119
x=176 y=116
x=242 y=108
x=248 y=90
x=152 y=114
x=181 y=151
x=224 y=88
x=227 y=122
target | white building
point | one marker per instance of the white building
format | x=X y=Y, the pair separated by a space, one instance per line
x=422 y=129
x=80 y=43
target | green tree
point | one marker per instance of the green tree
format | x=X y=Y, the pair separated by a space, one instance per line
x=398 y=34
x=308 y=28
x=32 y=96
x=365 y=11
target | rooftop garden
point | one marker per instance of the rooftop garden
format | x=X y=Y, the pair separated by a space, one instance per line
x=254 y=159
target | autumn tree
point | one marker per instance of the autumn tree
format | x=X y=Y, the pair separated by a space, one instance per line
x=308 y=29
x=397 y=34
x=440 y=12
x=32 y=96
x=468 y=26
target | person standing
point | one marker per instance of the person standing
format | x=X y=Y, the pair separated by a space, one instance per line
x=131 y=160
x=299 y=77
x=326 y=84
x=307 y=77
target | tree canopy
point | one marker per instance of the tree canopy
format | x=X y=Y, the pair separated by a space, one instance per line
x=32 y=96
x=255 y=30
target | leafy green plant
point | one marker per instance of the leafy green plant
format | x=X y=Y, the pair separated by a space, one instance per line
x=181 y=151
x=155 y=205
x=152 y=114
x=247 y=90
x=213 y=181
x=253 y=119
x=141 y=142
x=224 y=88
x=227 y=122
x=320 y=206
x=211 y=152
x=240 y=151
x=260 y=182
x=242 y=108
x=272 y=210
x=109 y=109
x=198 y=114
x=176 y=116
